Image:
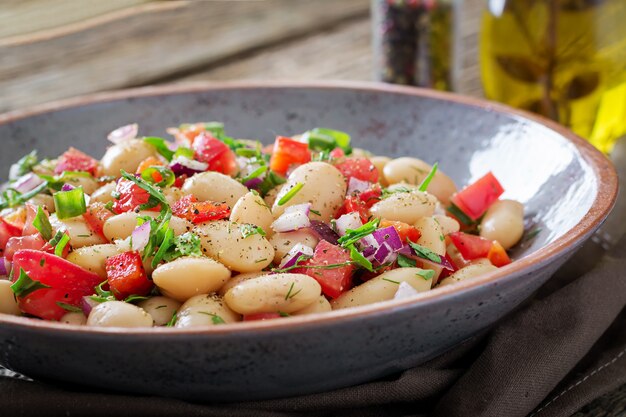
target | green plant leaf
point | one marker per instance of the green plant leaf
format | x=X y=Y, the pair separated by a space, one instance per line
x=582 y=85
x=521 y=68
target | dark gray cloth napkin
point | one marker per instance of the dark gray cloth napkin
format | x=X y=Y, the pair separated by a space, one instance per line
x=561 y=350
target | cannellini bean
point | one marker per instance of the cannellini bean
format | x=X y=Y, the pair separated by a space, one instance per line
x=80 y=233
x=44 y=200
x=76 y=318
x=380 y=162
x=213 y=186
x=272 y=293
x=504 y=222
x=238 y=279
x=118 y=314
x=323 y=186
x=468 y=272
x=432 y=235
x=93 y=258
x=284 y=241
x=382 y=288
x=270 y=197
x=223 y=241
x=89 y=183
x=173 y=194
x=161 y=309
x=205 y=310
x=252 y=209
x=321 y=305
x=413 y=171
x=447 y=223
x=186 y=277
x=103 y=194
x=405 y=207
x=8 y=304
x=126 y=156
x=122 y=225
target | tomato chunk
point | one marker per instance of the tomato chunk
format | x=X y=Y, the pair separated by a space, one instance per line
x=288 y=152
x=96 y=215
x=475 y=199
x=196 y=211
x=471 y=247
x=336 y=280
x=405 y=230
x=68 y=283
x=7 y=231
x=353 y=204
x=497 y=255
x=261 y=316
x=126 y=275
x=18 y=243
x=75 y=160
x=359 y=168
x=214 y=152
x=371 y=196
x=150 y=161
x=131 y=196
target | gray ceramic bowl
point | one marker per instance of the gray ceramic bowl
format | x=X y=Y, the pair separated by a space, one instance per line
x=567 y=187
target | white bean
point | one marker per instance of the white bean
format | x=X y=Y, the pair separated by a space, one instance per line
x=104 y=194
x=382 y=288
x=186 y=277
x=93 y=258
x=89 y=183
x=224 y=242
x=270 y=197
x=405 y=207
x=413 y=171
x=273 y=293
x=44 y=200
x=322 y=185
x=122 y=225
x=126 y=156
x=173 y=194
x=238 y=279
x=321 y=305
x=213 y=186
x=504 y=222
x=283 y=242
x=468 y=272
x=432 y=236
x=75 y=318
x=118 y=314
x=447 y=223
x=205 y=310
x=251 y=208
x=80 y=233
x=161 y=309
x=379 y=162
x=8 y=304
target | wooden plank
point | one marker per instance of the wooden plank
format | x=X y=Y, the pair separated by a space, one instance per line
x=138 y=45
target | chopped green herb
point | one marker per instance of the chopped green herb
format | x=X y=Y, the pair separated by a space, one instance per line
x=425 y=253
x=167 y=176
x=214 y=317
x=247 y=152
x=42 y=224
x=358 y=258
x=399 y=189
x=406 y=262
x=250 y=229
x=255 y=174
x=25 y=285
x=133 y=298
x=165 y=244
x=303 y=257
x=70 y=203
x=426 y=274
x=353 y=236
x=42 y=262
x=161 y=146
x=271 y=181
x=323 y=139
x=258 y=261
x=23 y=166
x=69 y=307
x=289 y=294
x=60 y=247
x=109 y=206
x=532 y=234
x=172 y=321
x=56 y=182
x=102 y=295
x=183 y=152
x=392 y=281
x=462 y=217
x=283 y=314
x=13 y=198
x=188 y=244
x=290 y=194
x=57 y=237
x=317 y=213
x=154 y=192
x=424 y=185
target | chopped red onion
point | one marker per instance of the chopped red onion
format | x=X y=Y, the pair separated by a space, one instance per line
x=294 y=253
x=254 y=183
x=406 y=251
x=27 y=182
x=355 y=185
x=67 y=187
x=323 y=231
x=390 y=236
x=123 y=133
x=405 y=291
x=87 y=304
x=140 y=236
x=385 y=254
x=369 y=252
x=186 y=166
x=5 y=266
x=348 y=221
x=294 y=218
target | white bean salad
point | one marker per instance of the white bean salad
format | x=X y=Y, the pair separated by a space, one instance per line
x=207 y=229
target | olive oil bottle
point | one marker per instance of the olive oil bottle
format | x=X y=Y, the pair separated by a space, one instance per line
x=564 y=59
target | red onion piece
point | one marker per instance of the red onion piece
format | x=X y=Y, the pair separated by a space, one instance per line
x=186 y=166
x=140 y=236
x=253 y=183
x=406 y=251
x=385 y=254
x=67 y=187
x=294 y=253
x=123 y=133
x=405 y=291
x=348 y=221
x=369 y=252
x=390 y=236
x=27 y=182
x=294 y=218
x=5 y=266
x=87 y=304
x=323 y=231
x=355 y=185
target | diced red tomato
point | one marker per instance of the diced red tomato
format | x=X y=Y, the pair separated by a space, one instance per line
x=337 y=153
x=471 y=246
x=95 y=216
x=261 y=316
x=180 y=181
x=126 y=275
x=147 y=163
x=354 y=204
x=334 y=281
x=7 y=231
x=288 y=152
x=68 y=283
x=196 y=211
x=497 y=255
x=406 y=231
x=17 y=243
x=371 y=196
x=214 y=152
x=75 y=160
x=475 y=199
x=17 y=218
x=131 y=196
x=31 y=213
x=359 y=168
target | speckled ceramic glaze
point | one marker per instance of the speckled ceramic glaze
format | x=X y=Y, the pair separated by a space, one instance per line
x=567 y=187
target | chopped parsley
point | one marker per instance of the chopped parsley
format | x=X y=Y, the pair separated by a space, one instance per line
x=317 y=213
x=250 y=229
x=460 y=215
x=161 y=146
x=23 y=166
x=358 y=258
x=42 y=224
x=172 y=321
x=13 y=198
x=62 y=243
x=255 y=174
x=271 y=181
x=290 y=194
x=69 y=307
x=214 y=317
x=134 y=298
x=426 y=274
x=289 y=294
x=25 y=285
x=353 y=236
x=406 y=262
x=424 y=252
x=392 y=281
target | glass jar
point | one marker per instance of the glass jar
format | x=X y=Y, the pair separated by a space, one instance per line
x=564 y=59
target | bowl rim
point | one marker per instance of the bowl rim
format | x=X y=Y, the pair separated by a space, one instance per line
x=605 y=175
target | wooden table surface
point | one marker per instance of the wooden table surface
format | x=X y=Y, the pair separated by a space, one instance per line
x=53 y=49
